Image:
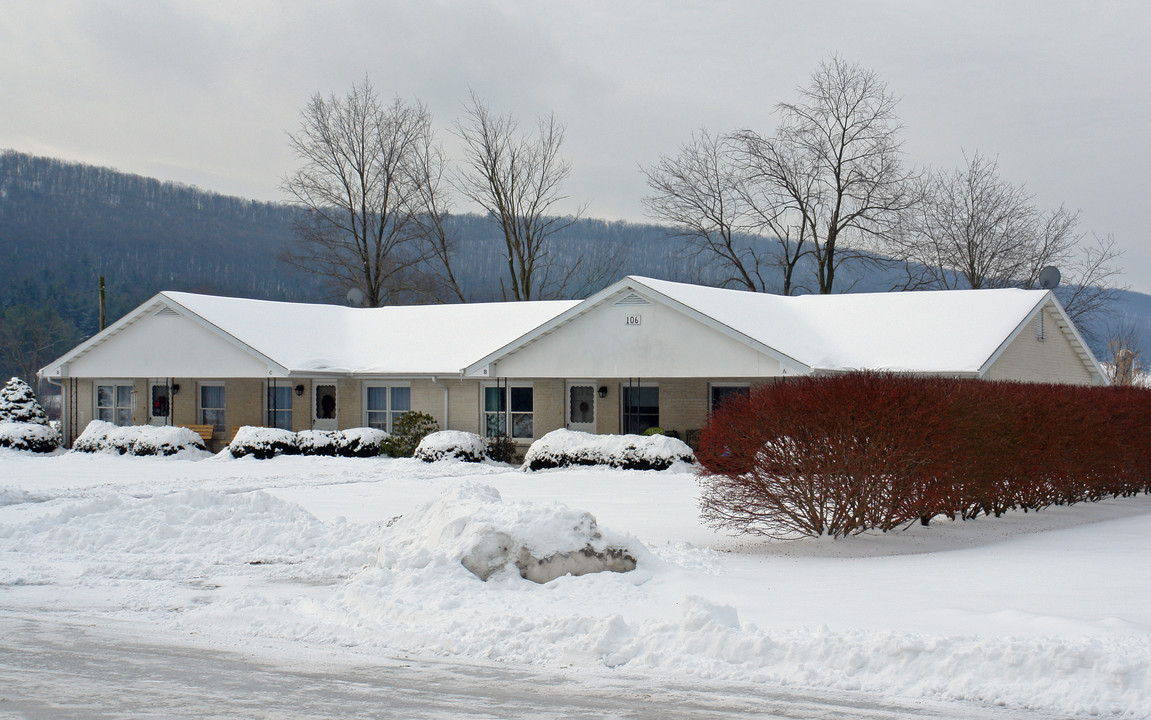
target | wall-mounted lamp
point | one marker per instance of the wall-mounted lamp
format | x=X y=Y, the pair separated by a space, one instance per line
x=175 y=388
x=299 y=390
x=602 y=392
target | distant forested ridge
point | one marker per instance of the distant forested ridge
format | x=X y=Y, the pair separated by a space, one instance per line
x=63 y=225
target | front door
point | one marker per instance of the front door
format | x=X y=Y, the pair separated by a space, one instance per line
x=324 y=407
x=580 y=407
x=159 y=403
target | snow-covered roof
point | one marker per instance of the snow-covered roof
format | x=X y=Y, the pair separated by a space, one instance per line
x=946 y=331
x=417 y=339
x=950 y=332
x=332 y=339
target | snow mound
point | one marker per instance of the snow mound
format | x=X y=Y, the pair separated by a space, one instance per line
x=101 y=436
x=561 y=448
x=452 y=445
x=472 y=526
x=28 y=436
x=191 y=533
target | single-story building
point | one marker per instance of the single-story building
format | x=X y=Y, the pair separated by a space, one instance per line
x=637 y=354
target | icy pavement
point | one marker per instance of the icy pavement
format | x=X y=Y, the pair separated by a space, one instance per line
x=50 y=668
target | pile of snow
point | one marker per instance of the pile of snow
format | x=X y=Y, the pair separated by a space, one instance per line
x=18 y=404
x=561 y=448
x=452 y=445
x=263 y=443
x=28 y=436
x=472 y=526
x=101 y=436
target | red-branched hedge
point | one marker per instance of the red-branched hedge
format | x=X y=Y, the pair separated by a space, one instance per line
x=843 y=454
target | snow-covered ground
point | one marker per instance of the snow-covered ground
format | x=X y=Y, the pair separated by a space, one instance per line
x=1048 y=611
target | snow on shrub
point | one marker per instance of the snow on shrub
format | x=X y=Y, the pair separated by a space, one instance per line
x=451 y=445
x=360 y=442
x=101 y=436
x=317 y=442
x=263 y=443
x=472 y=526
x=28 y=436
x=561 y=448
x=18 y=404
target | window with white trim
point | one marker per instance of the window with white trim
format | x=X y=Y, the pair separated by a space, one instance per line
x=212 y=406
x=114 y=403
x=384 y=404
x=509 y=406
x=280 y=406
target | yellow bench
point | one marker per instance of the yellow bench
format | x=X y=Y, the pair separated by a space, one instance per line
x=204 y=431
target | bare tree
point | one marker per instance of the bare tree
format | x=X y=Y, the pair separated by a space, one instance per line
x=977 y=230
x=701 y=192
x=1125 y=364
x=516 y=178
x=834 y=168
x=31 y=337
x=434 y=209
x=357 y=182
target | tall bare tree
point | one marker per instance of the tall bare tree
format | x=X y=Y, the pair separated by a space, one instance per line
x=834 y=167
x=702 y=193
x=977 y=230
x=516 y=178
x=358 y=182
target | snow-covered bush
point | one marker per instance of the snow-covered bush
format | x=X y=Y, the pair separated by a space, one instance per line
x=317 y=442
x=407 y=432
x=360 y=442
x=471 y=525
x=561 y=448
x=28 y=436
x=451 y=444
x=18 y=404
x=263 y=443
x=105 y=437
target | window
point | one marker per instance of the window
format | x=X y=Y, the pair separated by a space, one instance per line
x=280 y=406
x=719 y=393
x=212 y=406
x=640 y=409
x=114 y=404
x=509 y=404
x=385 y=404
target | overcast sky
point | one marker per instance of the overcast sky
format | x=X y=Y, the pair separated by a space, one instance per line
x=204 y=92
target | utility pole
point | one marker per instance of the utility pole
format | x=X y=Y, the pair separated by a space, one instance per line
x=102 y=323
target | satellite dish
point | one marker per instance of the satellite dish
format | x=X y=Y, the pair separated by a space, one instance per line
x=356 y=297
x=1049 y=277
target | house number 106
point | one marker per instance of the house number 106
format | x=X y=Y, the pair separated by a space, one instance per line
x=633 y=320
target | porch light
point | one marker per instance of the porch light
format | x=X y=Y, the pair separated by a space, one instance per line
x=175 y=388
x=299 y=390
x=602 y=392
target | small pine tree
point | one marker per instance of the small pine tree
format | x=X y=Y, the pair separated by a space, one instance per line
x=18 y=404
x=408 y=430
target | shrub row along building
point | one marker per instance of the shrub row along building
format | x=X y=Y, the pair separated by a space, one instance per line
x=638 y=354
